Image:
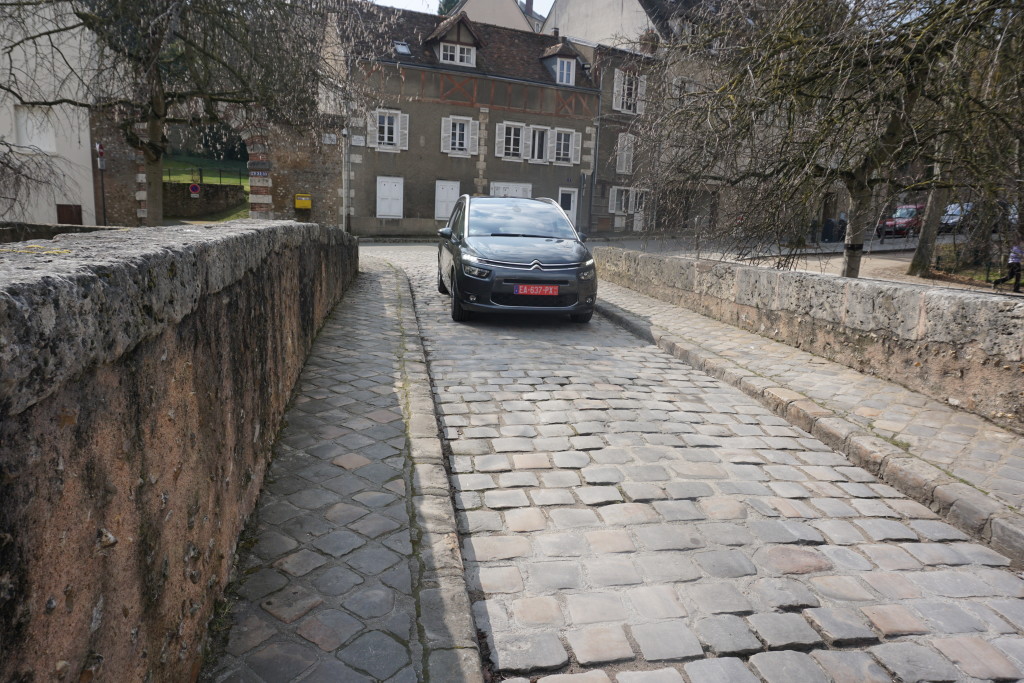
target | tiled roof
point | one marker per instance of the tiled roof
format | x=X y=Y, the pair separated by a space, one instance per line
x=504 y=52
x=562 y=49
x=660 y=11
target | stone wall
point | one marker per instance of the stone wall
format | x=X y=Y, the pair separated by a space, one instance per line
x=143 y=377
x=957 y=346
x=178 y=201
x=22 y=232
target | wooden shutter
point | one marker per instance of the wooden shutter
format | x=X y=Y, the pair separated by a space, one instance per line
x=617 y=91
x=403 y=131
x=611 y=200
x=620 y=154
x=641 y=95
x=577 y=144
x=474 y=137
x=499 y=140
x=371 y=129
x=552 y=140
x=446 y=134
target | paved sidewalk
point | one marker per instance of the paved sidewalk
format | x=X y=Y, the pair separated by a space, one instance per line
x=339 y=564
x=956 y=444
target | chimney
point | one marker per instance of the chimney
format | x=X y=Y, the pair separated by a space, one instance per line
x=554 y=32
x=529 y=8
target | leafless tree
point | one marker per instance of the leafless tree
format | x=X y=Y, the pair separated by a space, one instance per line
x=148 y=65
x=773 y=105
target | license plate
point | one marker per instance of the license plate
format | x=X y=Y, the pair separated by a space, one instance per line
x=536 y=290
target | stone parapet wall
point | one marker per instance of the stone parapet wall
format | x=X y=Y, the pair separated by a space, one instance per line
x=956 y=346
x=143 y=377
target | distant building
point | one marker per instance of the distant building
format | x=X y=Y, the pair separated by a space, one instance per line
x=60 y=133
x=472 y=108
x=507 y=13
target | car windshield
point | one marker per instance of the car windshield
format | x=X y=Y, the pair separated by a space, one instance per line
x=957 y=209
x=905 y=212
x=517 y=218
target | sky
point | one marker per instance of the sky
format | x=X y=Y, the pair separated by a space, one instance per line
x=539 y=6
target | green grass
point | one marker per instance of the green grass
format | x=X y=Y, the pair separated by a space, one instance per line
x=184 y=169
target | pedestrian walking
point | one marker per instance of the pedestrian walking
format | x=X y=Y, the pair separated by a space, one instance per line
x=1013 y=267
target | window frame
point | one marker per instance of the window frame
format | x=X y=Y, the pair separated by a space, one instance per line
x=460 y=55
x=395 y=118
x=566 y=76
x=514 y=153
x=539 y=153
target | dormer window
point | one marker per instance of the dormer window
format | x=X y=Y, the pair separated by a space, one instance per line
x=463 y=55
x=566 y=71
x=402 y=47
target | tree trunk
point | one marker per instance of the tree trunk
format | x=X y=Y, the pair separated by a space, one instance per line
x=938 y=197
x=153 y=153
x=860 y=219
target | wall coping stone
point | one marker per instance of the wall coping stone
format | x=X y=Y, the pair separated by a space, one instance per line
x=87 y=298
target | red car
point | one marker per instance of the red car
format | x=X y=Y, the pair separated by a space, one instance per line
x=907 y=219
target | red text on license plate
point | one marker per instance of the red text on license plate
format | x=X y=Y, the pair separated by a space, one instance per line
x=537 y=290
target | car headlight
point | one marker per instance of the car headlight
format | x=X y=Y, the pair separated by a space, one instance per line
x=475 y=271
x=587 y=272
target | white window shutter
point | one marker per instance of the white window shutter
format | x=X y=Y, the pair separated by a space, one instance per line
x=620 y=154
x=499 y=140
x=371 y=129
x=403 y=132
x=641 y=95
x=611 y=199
x=446 y=134
x=577 y=144
x=527 y=143
x=617 y=91
x=630 y=145
x=474 y=137
x=552 y=140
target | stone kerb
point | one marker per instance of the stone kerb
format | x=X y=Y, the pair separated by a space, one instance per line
x=959 y=347
x=143 y=377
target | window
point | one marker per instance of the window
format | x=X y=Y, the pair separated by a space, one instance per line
x=402 y=47
x=566 y=71
x=460 y=136
x=624 y=153
x=539 y=145
x=629 y=91
x=464 y=55
x=510 y=142
x=624 y=200
x=566 y=147
x=387 y=130
x=34 y=128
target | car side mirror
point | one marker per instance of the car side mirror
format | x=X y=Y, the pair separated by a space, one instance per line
x=583 y=237
x=445 y=233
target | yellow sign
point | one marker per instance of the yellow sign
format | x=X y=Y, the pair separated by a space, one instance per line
x=303 y=201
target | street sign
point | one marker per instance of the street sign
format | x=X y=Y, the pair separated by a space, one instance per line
x=258 y=174
x=194 y=190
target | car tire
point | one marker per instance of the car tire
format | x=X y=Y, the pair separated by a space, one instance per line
x=440 y=283
x=582 y=317
x=459 y=314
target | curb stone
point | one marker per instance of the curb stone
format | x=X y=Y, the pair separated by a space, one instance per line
x=963 y=506
x=444 y=617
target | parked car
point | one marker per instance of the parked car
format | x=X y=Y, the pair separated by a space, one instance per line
x=961 y=217
x=514 y=255
x=955 y=217
x=905 y=220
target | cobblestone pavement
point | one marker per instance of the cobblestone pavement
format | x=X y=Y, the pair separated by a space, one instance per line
x=962 y=444
x=330 y=585
x=628 y=517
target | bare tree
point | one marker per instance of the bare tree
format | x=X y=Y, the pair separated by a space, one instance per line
x=776 y=104
x=151 y=64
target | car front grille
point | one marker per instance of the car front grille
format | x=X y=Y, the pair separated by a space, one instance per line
x=560 y=301
x=536 y=282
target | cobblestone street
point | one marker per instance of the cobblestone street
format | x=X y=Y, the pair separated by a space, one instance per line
x=623 y=516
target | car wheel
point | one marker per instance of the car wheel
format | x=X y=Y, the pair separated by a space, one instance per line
x=440 y=283
x=459 y=314
x=582 y=317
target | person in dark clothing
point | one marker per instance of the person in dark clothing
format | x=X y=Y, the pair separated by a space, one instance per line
x=1013 y=267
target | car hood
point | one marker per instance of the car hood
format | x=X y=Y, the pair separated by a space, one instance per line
x=526 y=250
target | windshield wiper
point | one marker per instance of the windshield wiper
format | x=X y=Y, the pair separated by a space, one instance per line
x=523 y=234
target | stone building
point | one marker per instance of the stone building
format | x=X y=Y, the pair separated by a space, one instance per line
x=469 y=108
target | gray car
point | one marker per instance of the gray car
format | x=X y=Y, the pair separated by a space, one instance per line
x=514 y=255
